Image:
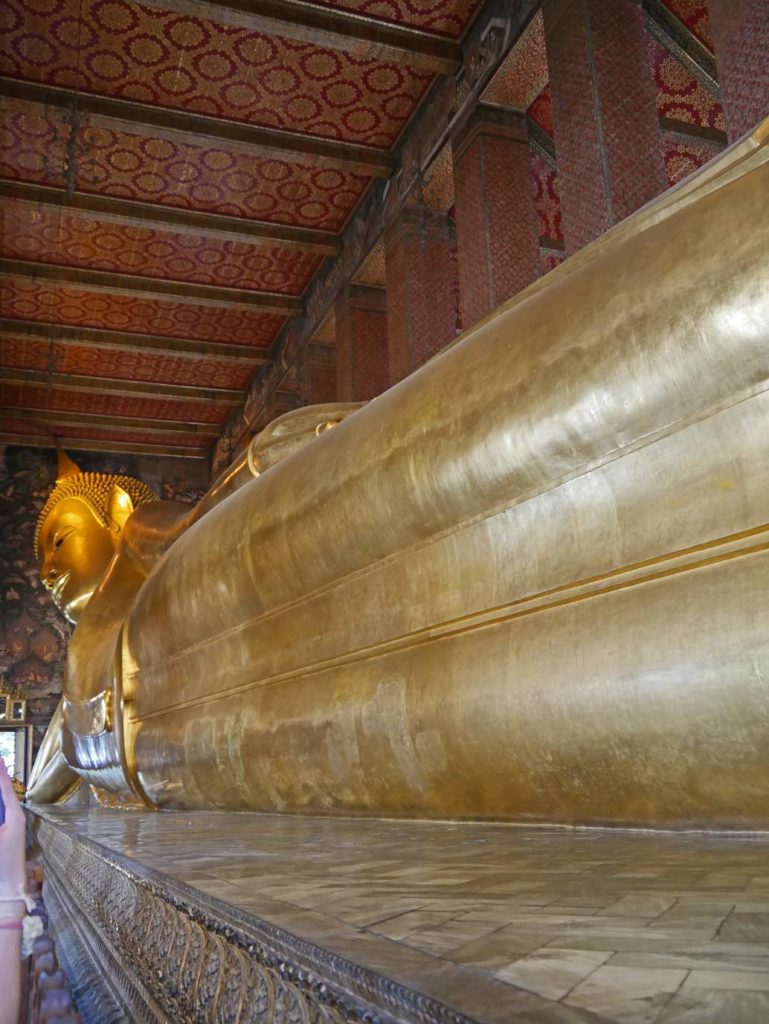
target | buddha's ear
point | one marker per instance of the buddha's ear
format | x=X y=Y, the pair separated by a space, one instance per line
x=119 y=508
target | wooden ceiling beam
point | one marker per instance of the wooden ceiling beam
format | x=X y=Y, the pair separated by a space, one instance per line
x=77 y=419
x=66 y=334
x=213 y=226
x=121 y=447
x=141 y=287
x=348 y=156
x=328 y=27
x=124 y=388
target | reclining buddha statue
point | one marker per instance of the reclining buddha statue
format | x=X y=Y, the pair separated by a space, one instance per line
x=527 y=583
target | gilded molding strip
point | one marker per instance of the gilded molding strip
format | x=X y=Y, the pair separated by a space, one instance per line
x=673 y=564
x=164 y=951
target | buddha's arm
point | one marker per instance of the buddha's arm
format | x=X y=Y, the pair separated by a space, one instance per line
x=153 y=528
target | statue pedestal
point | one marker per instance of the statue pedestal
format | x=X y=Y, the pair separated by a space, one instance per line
x=234 y=917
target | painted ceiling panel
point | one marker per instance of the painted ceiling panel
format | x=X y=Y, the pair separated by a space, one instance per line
x=49 y=235
x=169 y=58
x=173 y=171
x=443 y=17
x=122 y=49
x=10 y=425
x=24 y=298
x=52 y=399
x=39 y=354
x=33 y=143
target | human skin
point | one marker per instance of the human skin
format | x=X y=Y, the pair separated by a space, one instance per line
x=12 y=909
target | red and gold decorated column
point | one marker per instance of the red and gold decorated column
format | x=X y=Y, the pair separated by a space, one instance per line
x=497 y=229
x=422 y=288
x=741 y=42
x=318 y=374
x=604 y=114
x=361 y=343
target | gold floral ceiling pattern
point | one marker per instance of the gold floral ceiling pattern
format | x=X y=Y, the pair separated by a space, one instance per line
x=173 y=173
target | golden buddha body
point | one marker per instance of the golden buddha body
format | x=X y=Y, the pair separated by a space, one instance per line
x=528 y=583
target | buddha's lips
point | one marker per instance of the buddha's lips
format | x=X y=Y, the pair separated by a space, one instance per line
x=58 y=586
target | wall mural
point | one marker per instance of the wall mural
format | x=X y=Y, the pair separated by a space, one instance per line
x=33 y=634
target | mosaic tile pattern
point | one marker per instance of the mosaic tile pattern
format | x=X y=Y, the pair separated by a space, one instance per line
x=680 y=97
x=499 y=923
x=610 y=164
x=53 y=400
x=497 y=228
x=541 y=111
x=547 y=198
x=27 y=299
x=319 y=376
x=372 y=272
x=695 y=15
x=443 y=17
x=46 y=235
x=422 y=289
x=38 y=354
x=524 y=73
x=685 y=156
x=168 y=59
x=361 y=344
x=741 y=42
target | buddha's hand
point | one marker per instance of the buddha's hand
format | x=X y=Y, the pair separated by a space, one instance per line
x=12 y=833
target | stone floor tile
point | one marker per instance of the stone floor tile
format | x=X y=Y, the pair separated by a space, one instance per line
x=745 y=928
x=405 y=924
x=553 y=972
x=752 y=981
x=641 y=940
x=500 y=947
x=690 y=961
x=711 y=1007
x=482 y=899
x=646 y=905
x=627 y=995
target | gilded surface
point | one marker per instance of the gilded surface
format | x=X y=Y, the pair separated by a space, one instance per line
x=528 y=582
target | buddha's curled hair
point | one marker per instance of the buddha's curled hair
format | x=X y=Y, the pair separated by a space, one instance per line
x=94 y=489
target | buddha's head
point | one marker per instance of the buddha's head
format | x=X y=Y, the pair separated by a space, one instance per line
x=79 y=529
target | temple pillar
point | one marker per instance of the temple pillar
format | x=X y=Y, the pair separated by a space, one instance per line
x=361 y=343
x=741 y=42
x=318 y=374
x=604 y=114
x=497 y=228
x=422 y=288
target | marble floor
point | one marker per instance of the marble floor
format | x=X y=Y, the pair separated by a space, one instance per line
x=500 y=923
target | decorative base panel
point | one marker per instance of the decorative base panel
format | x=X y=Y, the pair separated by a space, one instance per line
x=139 y=946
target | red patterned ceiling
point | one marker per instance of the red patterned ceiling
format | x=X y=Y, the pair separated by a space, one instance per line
x=47 y=357
x=117 y=48
x=48 y=235
x=444 y=17
x=173 y=59
x=173 y=172
x=39 y=396
x=26 y=299
x=10 y=425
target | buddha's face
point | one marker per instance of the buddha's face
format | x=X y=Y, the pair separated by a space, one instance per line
x=75 y=551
